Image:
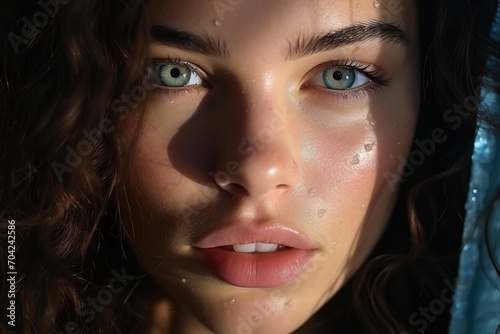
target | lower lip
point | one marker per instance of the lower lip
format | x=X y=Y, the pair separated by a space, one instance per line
x=256 y=270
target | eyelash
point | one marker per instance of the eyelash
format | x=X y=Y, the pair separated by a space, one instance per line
x=377 y=80
x=374 y=74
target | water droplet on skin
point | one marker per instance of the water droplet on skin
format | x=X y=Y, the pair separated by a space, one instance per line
x=255 y=318
x=369 y=147
x=229 y=302
x=362 y=206
x=183 y=280
x=170 y=101
x=376 y=4
x=321 y=212
x=313 y=192
x=355 y=160
x=217 y=23
x=371 y=120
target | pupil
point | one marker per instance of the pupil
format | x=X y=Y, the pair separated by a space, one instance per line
x=175 y=72
x=337 y=75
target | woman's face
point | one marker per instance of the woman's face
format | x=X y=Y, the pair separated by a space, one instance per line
x=264 y=172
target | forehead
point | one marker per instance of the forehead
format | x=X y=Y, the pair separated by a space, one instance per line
x=247 y=17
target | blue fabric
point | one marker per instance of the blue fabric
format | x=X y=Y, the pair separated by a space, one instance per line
x=476 y=309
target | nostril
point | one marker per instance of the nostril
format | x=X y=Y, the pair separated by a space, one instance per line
x=272 y=169
x=234 y=189
x=282 y=187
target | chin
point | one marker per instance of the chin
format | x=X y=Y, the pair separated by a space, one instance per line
x=221 y=308
x=252 y=312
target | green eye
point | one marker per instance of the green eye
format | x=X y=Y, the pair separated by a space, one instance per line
x=177 y=75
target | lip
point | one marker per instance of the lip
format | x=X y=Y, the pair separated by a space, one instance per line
x=255 y=270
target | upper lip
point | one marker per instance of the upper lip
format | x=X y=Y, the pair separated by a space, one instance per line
x=239 y=234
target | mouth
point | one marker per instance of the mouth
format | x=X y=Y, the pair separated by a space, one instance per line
x=255 y=257
x=255 y=247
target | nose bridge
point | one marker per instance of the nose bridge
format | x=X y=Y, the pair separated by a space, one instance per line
x=263 y=119
x=265 y=136
x=260 y=155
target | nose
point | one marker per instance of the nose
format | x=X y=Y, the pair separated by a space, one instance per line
x=257 y=157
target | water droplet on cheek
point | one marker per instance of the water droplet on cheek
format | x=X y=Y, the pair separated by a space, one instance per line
x=369 y=147
x=170 y=101
x=183 y=280
x=217 y=23
x=376 y=4
x=370 y=119
x=313 y=192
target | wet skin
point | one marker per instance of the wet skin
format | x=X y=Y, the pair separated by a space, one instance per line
x=267 y=131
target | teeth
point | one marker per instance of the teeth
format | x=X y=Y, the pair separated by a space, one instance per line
x=256 y=246
x=262 y=247
x=246 y=248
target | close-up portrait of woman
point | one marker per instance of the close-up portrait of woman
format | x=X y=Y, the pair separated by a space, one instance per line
x=239 y=167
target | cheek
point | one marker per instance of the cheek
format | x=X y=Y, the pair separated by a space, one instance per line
x=352 y=163
x=150 y=188
x=153 y=175
x=349 y=168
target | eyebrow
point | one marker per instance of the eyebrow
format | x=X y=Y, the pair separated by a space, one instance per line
x=190 y=42
x=346 y=36
x=303 y=46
